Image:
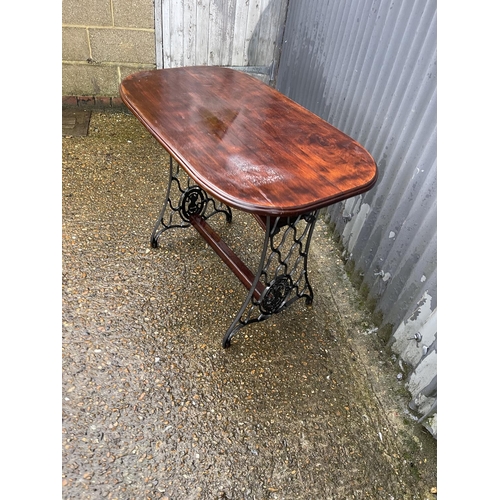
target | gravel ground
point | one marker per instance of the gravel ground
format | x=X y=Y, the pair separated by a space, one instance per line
x=305 y=405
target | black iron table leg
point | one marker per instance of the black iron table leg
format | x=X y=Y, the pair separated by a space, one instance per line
x=192 y=200
x=282 y=271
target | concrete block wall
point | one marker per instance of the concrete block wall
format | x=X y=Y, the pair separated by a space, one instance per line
x=103 y=41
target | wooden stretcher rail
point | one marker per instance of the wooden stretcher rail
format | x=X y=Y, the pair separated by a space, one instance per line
x=222 y=249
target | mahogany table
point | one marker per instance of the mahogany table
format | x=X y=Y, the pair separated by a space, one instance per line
x=244 y=145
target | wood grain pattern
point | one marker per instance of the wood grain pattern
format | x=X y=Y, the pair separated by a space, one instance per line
x=247 y=144
x=218 y=32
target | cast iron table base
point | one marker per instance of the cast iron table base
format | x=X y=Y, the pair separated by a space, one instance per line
x=281 y=277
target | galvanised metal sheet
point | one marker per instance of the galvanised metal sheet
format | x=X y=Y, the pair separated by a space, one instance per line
x=369 y=68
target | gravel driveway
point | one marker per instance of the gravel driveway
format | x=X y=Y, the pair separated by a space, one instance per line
x=305 y=405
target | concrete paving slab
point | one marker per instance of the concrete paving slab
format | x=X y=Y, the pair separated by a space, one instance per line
x=75 y=122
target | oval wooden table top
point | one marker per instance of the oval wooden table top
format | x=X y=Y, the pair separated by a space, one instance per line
x=247 y=144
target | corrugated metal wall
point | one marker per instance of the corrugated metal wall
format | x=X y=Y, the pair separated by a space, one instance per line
x=245 y=34
x=369 y=68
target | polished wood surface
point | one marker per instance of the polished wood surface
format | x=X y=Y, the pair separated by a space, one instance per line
x=247 y=144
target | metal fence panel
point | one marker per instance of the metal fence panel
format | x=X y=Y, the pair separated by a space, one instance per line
x=369 y=68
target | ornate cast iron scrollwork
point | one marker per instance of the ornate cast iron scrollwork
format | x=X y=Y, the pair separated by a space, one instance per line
x=283 y=270
x=276 y=294
x=193 y=201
